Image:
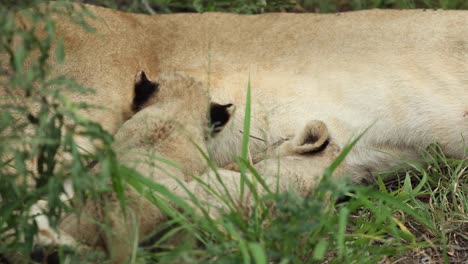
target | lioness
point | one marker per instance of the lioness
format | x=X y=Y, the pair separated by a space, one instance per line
x=402 y=74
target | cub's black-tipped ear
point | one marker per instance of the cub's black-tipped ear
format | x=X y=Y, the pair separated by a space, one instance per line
x=219 y=116
x=143 y=90
x=312 y=139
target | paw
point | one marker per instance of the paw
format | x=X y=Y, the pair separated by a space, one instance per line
x=46 y=235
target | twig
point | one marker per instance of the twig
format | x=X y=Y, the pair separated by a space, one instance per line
x=254 y=137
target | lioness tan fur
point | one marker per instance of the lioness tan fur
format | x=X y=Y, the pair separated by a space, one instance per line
x=402 y=74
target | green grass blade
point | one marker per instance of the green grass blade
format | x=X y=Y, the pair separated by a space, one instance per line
x=245 y=139
x=340 y=235
x=329 y=171
x=213 y=167
x=258 y=253
x=256 y=176
x=320 y=249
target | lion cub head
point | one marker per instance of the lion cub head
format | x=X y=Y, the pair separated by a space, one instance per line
x=173 y=118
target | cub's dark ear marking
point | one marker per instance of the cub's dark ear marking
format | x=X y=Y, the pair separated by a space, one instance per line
x=219 y=116
x=144 y=89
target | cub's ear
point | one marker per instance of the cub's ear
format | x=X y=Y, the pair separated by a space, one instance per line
x=312 y=139
x=219 y=116
x=144 y=89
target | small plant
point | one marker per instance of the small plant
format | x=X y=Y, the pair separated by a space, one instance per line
x=39 y=127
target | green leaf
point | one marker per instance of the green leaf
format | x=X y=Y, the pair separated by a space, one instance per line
x=320 y=249
x=256 y=176
x=258 y=253
x=241 y=242
x=50 y=27
x=245 y=140
x=422 y=183
x=198 y=5
x=246 y=132
x=407 y=187
x=20 y=56
x=5 y=120
x=60 y=51
x=381 y=184
x=139 y=182
x=117 y=183
x=340 y=235
x=329 y=171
